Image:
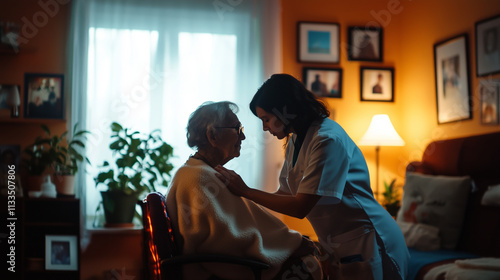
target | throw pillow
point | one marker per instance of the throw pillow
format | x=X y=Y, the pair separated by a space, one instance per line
x=420 y=236
x=438 y=201
x=492 y=196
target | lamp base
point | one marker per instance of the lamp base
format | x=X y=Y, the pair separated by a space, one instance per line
x=14 y=112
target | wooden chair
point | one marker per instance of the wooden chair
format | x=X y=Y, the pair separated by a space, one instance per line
x=163 y=261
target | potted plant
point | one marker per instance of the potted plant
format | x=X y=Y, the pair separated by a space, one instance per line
x=73 y=155
x=54 y=155
x=141 y=162
x=391 y=198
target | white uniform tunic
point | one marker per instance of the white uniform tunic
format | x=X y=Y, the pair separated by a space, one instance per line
x=355 y=231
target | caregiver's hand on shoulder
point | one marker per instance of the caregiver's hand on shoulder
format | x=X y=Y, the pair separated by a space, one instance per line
x=232 y=180
x=307 y=247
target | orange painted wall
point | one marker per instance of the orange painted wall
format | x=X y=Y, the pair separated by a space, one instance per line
x=409 y=36
x=43 y=50
x=411 y=28
x=108 y=255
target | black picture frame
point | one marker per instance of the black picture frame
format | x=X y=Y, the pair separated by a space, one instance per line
x=318 y=42
x=487 y=46
x=377 y=84
x=323 y=82
x=451 y=65
x=365 y=43
x=43 y=96
x=489 y=95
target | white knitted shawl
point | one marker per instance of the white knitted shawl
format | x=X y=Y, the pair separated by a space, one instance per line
x=207 y=218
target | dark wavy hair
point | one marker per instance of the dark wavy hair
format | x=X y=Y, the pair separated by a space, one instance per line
x=289 y=100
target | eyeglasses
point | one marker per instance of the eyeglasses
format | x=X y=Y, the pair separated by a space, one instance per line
x=238 y=128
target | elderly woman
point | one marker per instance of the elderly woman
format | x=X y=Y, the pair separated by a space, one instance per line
x=207 y=218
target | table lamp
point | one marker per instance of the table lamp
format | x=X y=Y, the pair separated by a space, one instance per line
x=380 y=133
x=13 y=100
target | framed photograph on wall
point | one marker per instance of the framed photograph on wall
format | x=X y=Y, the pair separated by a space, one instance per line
x=488 y=46
x=489 y=96
x=365 y=43
x=318 y=42
x=61 y=252
x=43 y=96
x=451 y=65
x=377 y=84
x=323 y=82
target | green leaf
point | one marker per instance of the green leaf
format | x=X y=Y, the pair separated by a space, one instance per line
x=141 y=154
x=77 y=143
x=113 y=185
x=46 y=129
x=63 y=135
x=117 y=145
x=81 y=133
x=116 y=127
x=103 y=176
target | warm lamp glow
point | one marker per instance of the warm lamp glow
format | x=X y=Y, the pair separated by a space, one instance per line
x=381 y=133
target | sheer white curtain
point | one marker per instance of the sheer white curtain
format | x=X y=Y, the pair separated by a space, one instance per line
x=149 y=64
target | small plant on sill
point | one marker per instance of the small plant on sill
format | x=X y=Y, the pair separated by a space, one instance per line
x=391 y=198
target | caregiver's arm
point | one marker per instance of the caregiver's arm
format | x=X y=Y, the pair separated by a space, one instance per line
x=296 y=206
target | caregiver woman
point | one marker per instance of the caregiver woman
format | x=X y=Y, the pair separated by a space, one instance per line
x=325 y=178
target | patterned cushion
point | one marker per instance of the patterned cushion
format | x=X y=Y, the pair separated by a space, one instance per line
x=438 y=201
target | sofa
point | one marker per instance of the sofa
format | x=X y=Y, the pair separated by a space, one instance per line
x=472 y=162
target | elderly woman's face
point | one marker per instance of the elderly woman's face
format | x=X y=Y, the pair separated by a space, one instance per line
x=229 y=138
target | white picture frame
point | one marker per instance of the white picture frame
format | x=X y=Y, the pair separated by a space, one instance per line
x=318 y=42
x=61 y=252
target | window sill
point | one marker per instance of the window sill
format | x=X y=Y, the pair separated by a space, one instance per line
x=136 y=229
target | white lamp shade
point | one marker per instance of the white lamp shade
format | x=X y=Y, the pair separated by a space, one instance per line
x=13 y=98
x=381 y=133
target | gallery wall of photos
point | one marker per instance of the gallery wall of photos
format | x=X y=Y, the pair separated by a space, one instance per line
x=319 y=43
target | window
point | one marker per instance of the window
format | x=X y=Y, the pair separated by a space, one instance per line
x=149 y=65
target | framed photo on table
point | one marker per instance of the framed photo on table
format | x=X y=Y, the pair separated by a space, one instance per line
x=365 y=43
x=453 y=96
x=318 y=42
x=323 y=82
x=377 y=84
x=61 y=252
x=43 y=96
x=488 y=46
x=489 y=91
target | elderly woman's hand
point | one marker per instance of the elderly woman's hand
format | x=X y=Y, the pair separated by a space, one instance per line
x=232 y=180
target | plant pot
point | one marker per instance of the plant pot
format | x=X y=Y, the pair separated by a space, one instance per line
x=119 y=208
x=65 y=185
x=392 y=209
